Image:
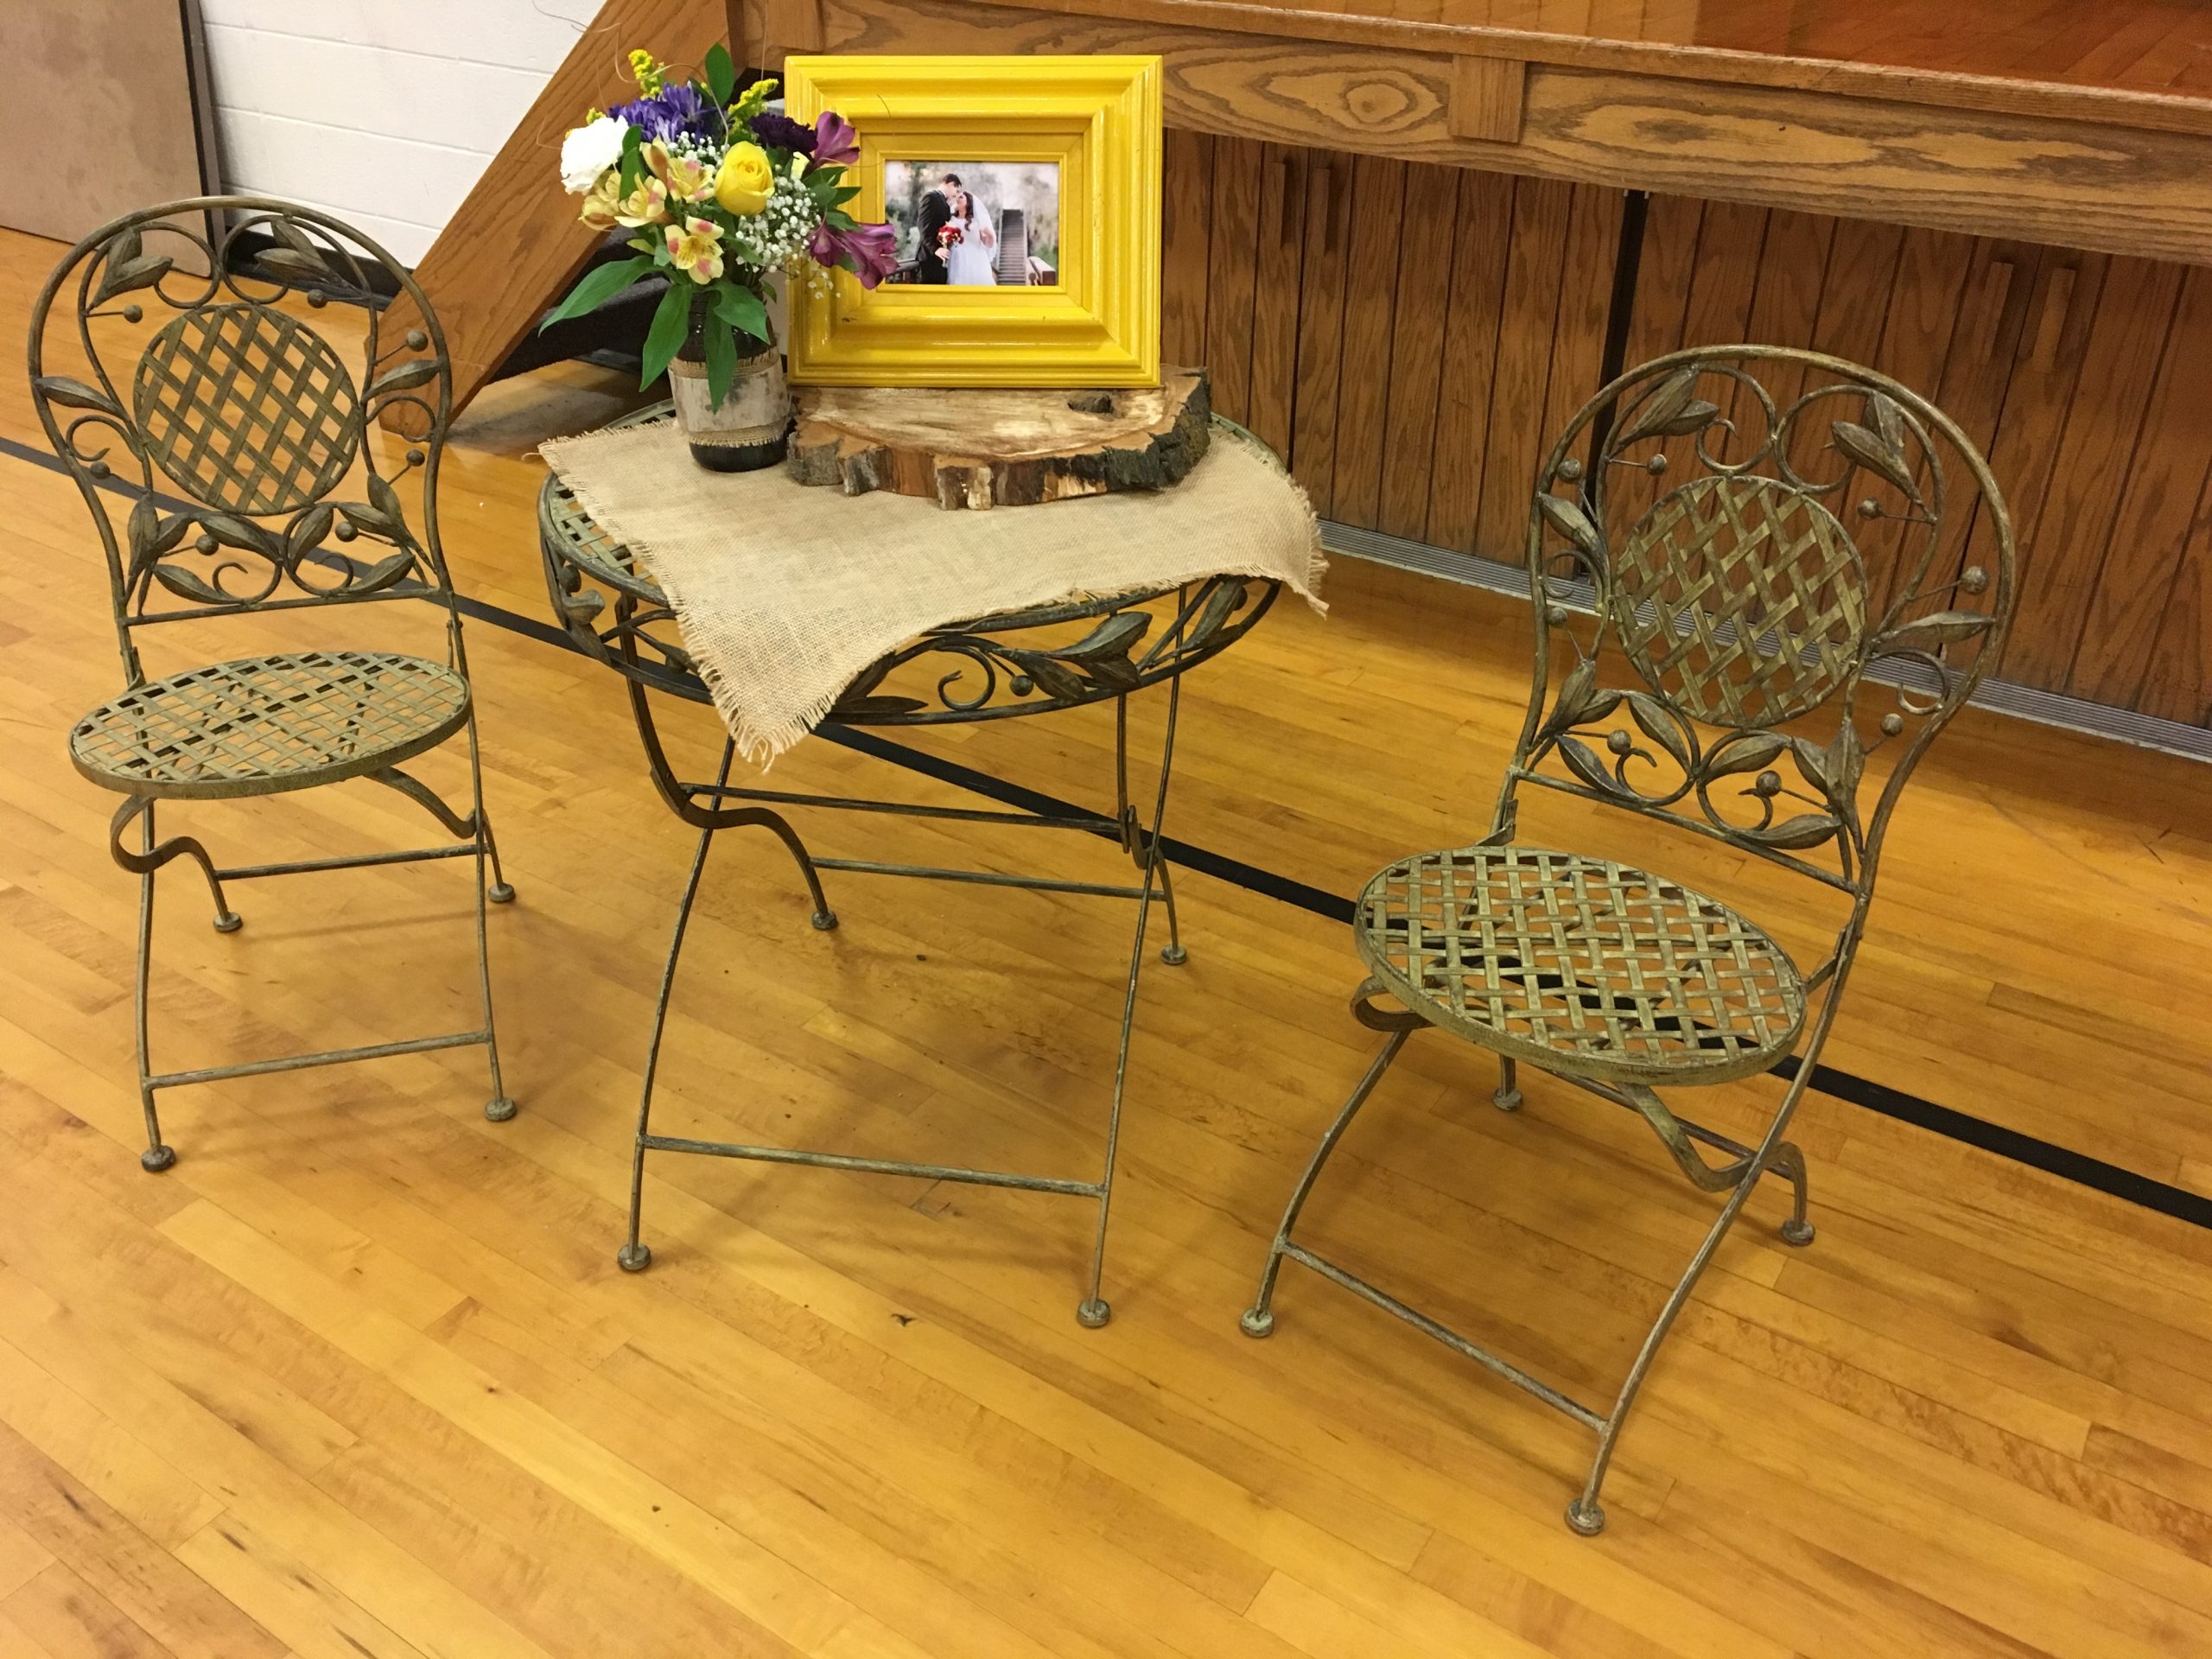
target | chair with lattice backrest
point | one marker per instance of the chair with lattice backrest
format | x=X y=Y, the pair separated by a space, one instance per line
x=1692 y=520
x=225 y=451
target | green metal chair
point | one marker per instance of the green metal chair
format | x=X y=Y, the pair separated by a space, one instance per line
x=1746 y=613
x=221 y=446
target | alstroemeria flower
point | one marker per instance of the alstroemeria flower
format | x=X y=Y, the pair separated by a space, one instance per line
x=695 y=248
x=869 y=252
x=835 y=144
x=686 y=179
x=606 y=206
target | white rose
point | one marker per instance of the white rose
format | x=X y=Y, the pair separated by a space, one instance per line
x=589 y=150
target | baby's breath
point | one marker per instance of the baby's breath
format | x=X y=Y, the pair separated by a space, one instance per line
x=776 y=234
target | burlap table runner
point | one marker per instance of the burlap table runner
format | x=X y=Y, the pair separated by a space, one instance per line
x=785 y=592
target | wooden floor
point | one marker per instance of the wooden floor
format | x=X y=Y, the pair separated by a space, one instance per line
x=360 y=1376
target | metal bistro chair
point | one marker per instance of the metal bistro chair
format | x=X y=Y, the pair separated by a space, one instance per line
x=1742 y=604
x=255 y=420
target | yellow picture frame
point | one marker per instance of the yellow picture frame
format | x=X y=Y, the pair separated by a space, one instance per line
x=1099 y=118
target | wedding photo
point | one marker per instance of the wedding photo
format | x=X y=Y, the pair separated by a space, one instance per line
x=975 y=224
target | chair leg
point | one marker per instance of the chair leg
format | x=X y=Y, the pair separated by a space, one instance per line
x=499 y=892
x=152 y=857
x=489 y=885
x=1507 y=1097
x=1259 y=1319
x=158 y=1155
x=634 y=1256
x=1173 y=952
x=1789 y=1161
x=1585 y=1515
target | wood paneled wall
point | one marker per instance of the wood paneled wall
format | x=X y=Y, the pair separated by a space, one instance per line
x=1412 y=336
x=1406 y=335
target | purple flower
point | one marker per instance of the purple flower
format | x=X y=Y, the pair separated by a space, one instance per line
x=834 y=141
x=677 y=111
x=781 y=132
x=869 y=252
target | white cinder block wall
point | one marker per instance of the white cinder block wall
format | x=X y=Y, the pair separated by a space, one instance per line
x=383 y=111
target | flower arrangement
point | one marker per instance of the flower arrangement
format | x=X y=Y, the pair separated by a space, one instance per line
x=720 y=191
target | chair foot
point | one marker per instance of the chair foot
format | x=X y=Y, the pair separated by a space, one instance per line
x=499 y=1109
x=1093 y=1312
x=1585 y=1517
x=634 y=1258
x=1797 y=1232
x=155 y=1159
x=1174 y=955
x=1257 y=1322
x=500 y=894
x=825 y=921
x=1506 y=1099
x=229 y=921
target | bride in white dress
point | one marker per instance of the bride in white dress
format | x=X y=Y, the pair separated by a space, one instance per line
x=972 y=262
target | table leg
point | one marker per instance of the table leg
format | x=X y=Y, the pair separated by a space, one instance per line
x=634 y=1256
x=1094 y=1311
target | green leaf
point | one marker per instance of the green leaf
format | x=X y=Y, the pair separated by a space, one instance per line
x=838 y=219
x=740 y=307
x=665 y=337
x=721 y=73
x=633 y=161
x=598 y=285
x=721 y=361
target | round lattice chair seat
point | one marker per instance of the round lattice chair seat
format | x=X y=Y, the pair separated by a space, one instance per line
x=1580 y=966
x=264 y=724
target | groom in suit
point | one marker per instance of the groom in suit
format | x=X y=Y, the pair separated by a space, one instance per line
x=937 y=211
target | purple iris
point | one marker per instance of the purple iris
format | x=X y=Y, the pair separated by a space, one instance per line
x=677 y=111
x=781 y=132
x=869 y=252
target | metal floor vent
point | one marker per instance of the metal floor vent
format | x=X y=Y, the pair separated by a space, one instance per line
x=2025 y=702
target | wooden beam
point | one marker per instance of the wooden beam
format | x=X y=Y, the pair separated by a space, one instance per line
x=516 y=244
x=1488 y=97
x=2056 y=180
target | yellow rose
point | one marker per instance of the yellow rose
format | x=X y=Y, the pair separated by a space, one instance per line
x=743 y=184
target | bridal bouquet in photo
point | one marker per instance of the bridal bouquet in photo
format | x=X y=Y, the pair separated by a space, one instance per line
x=720 y=192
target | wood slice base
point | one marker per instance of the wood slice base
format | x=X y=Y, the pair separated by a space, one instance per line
x=986 y=448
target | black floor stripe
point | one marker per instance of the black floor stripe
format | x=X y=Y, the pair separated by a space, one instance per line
x=1880 y=1098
